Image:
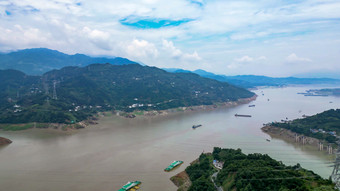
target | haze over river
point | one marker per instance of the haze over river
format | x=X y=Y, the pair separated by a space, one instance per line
x=104 y=157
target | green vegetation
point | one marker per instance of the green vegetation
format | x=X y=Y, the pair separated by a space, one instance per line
x=84 y=91
x=16 y=127
x=260 y=172
x=200 y=173
x=138 y=112
x=252 y=172
x=328 y=121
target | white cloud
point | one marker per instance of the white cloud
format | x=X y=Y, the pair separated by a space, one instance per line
x=250 y=59
x=233 y=32
x=141 y=49
x=294 y=58
x=169 y=48
x=244 y=59
x=99 y=38
x=262 y=58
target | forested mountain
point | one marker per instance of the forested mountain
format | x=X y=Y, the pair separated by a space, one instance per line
x=74 y=93
x=37 y=61
x=251 y=81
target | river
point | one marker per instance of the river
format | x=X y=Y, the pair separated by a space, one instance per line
x=107 y=155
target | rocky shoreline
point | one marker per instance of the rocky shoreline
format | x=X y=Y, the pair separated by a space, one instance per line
x=182 y=181
x=4 y=141
x=286 y=134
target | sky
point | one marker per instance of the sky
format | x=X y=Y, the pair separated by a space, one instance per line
x=232 y=37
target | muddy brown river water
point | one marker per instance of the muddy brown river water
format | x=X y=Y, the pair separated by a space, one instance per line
x=104 y=157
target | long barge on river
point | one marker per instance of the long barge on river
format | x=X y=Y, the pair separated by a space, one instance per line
x=173 y=165
x=131 y=186
x=239 y=115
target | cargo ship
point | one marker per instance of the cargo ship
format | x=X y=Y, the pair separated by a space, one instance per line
x=131 y=186
x=173 y=165
x=238 y=115
x=195 y=126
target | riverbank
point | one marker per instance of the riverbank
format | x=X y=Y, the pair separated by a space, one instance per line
x=94 y=119
x=51 y=126
x=290 y=136
x=182 y=181
x=155 y=113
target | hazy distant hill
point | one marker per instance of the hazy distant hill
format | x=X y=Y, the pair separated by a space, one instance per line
x=37 y=61
x=80 y=91
x=251 y=81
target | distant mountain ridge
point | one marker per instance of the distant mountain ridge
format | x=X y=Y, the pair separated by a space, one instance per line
x=74 y=93
x=37 y=61
x=252 y=81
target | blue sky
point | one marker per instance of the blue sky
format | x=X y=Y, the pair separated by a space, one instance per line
x=274 y=38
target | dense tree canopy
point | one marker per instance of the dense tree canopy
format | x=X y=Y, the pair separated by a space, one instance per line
x=252 y=172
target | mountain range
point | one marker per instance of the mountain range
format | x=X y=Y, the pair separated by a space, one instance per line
x=252 y=81
x=37 y=61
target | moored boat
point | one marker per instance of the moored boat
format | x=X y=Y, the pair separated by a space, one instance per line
x=173 y=165
x=131 y=186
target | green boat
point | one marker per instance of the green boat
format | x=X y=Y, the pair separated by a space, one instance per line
x=131 y=186
x=173 y=165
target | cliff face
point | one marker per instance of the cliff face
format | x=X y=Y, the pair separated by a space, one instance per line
x=4 y=141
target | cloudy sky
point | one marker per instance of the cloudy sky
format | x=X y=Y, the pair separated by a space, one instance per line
x=263 y=37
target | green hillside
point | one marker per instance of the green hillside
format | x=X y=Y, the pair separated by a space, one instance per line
x=250 y=172
x=82 y=91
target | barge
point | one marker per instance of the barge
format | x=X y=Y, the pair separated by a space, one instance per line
x=173 y=165
x=238 y=115
x=131 y=186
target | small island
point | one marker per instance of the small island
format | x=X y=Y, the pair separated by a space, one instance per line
x=4 y=141
x=231 y=169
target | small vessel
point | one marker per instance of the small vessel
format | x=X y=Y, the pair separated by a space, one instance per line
x=238 y=115
x=268 y=140
x=251 y=106
x=195 y=126
x=131 y=186
x=173 y=165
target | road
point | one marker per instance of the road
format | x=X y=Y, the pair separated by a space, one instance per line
x=218 y=188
